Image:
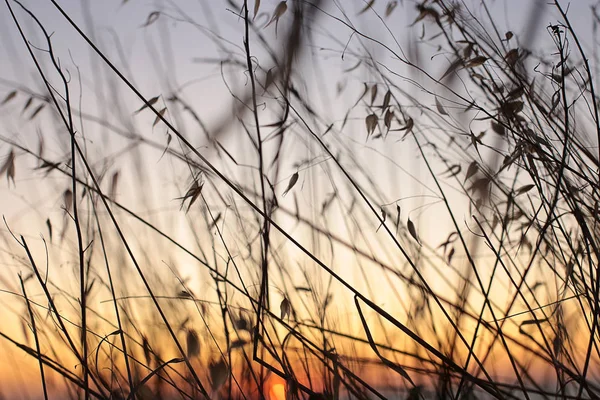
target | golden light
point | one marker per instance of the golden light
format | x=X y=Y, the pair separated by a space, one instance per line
x=277 y=392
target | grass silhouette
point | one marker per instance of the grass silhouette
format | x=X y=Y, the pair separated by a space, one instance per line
x=372 y=199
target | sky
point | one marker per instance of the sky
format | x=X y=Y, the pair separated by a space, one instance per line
x=166 y=54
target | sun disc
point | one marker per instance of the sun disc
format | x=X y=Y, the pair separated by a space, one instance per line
x=277 y=392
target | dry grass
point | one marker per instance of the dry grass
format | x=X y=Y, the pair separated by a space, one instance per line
x=350 y=200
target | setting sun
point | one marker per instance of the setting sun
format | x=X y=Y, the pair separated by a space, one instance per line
x=277 y=392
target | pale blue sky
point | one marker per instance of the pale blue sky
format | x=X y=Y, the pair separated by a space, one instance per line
x=182 y=44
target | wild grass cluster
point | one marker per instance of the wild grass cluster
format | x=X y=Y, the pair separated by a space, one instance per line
x=301 y=199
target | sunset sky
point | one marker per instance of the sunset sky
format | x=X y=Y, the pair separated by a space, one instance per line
x=201 y=250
